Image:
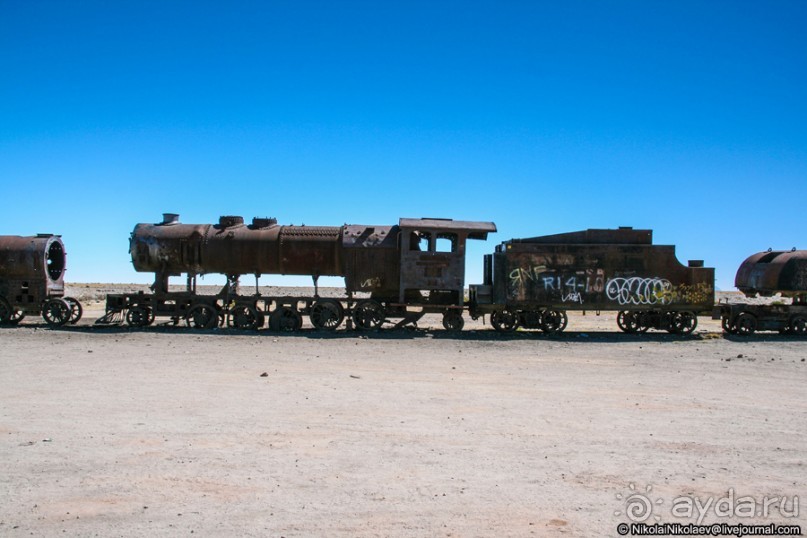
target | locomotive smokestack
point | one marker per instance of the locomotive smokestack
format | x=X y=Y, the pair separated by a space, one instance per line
x=170 y=218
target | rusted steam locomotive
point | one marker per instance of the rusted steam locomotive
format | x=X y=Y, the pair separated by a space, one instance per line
x=32 y=280
x=531 y=283
x=400 y=272
x=767 y=274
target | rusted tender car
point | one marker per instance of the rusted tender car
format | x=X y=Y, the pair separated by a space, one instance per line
x=531 y=283
x=765 y=274
x=32 y=280
x=392 y=272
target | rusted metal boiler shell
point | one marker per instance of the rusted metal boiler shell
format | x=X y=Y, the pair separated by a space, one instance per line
x=772 y=272
x=31 y=269
x=233 y=248
x=32 y=257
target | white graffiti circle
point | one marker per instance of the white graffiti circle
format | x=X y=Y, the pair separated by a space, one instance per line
x=639 y=291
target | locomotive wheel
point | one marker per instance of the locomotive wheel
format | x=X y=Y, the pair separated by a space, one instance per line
x=327 y=314
x=746 y=324
x=139 y=316
x=504 y=321
x=726 y=324
x=75 y=310
x=628 y=321
x=246 y=317
x=202 y=316
x=683 y=322
x=368 y=314
x=798 y=325
x=286 y=319
x=56 y=312
x=452 y=321
x=554 y=321
x=6 y=312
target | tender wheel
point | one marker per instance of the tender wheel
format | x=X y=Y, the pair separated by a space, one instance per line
x=746 y=324
x=504 y=321
x=683 y=322
x=56 y=312
x=75 y=310
x=554 y=321
x=628 y=321
x=643 y=320
x=368 y=314
x=246 y=317
x=286 y=319
x=139 y=316
x=16 y=317
x=202 y=316
x=6 y=312
x=327 y=314
x=453 y=321
x=726 y=324
x=798 y=325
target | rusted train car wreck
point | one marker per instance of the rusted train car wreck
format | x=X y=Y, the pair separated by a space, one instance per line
x=765 y=274
x=32 y=280
x=399 y=272
x=532 y=283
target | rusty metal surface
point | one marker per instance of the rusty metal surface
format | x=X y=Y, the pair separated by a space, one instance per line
x=623 y=236
x=472 y=229
x=371 y=258
x=311 y=250
x=234 y=248
x=617 y=270
x=432 y=262
x=375 y=259
x=772 y=272
x=31 y=270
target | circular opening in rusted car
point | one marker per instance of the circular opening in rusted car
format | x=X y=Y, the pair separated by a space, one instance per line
x=55 y=260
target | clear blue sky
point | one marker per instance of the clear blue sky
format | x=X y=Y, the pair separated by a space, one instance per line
x=687 y=117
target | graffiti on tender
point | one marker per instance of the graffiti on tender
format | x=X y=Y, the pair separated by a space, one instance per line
x=519 y=275
x=695 y=293
x=572 y=297
x=569 y=286
x=639 y=291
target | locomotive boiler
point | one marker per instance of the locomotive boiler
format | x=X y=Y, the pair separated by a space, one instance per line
x=32 y=280
x=233 y=248
x=765 y=274
x=531 y=283
x=399 y=271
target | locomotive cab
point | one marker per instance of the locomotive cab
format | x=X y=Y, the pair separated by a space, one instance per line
x=433 y=258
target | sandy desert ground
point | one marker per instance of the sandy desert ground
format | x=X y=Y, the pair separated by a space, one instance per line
x=171 y=432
